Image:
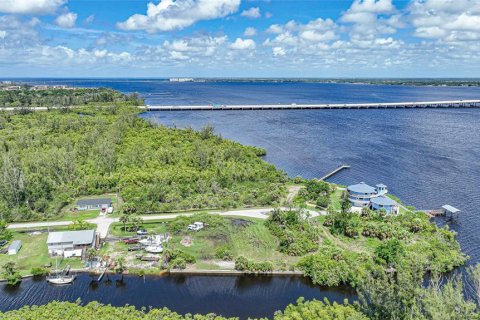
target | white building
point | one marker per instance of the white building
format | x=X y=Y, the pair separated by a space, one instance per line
x=71 y=243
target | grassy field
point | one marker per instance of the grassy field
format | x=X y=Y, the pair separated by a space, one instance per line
x=34 y=253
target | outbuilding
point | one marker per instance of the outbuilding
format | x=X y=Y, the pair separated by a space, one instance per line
x=14 y=247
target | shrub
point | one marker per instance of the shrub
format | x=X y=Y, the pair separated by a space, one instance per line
x=224 y=253
x=38 y=271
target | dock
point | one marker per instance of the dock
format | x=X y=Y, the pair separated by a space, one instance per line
x=294 y=106
x=334 y=172
x=444 y=211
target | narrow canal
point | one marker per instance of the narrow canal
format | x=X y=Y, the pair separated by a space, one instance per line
x=242 y=296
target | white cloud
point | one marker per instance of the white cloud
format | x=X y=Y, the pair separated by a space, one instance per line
x=66 y=20
x=170 y=15
x=252 y=13
x=278 y=51
x=449 y=21
x=371 y=17
x=250 y=32
x=89 y=19
x=243 y=44
x=30 y=6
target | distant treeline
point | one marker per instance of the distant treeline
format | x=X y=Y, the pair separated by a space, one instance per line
x=398 y=82
x=26 y=97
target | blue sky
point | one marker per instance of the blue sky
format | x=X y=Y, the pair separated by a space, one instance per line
x=239 y=38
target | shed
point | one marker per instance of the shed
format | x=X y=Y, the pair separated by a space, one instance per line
x=14 y=247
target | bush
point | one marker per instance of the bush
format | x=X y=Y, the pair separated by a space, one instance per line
x=178 y=263
x=390 y=251
x=38 y=271
x=243 y=264
x=224 y=253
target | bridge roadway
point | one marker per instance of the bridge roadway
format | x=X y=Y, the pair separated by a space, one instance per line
x=387 y=105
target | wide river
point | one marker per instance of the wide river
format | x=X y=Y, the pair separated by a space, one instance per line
x=426 y=157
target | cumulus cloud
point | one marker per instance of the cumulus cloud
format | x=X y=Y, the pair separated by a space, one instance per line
x=243 y=44
x=250 y=32
x=446 y=20
x=252 y=13
x=372 y=17
x=89 y=19
x=170 y=15
x=66 y=20
x=30 y=6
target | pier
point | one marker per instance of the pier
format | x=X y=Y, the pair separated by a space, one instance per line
x=334 y=172
x=293 y=106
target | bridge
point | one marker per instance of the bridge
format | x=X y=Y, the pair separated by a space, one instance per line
x=293 y=106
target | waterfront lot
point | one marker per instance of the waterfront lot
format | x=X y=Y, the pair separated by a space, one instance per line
x=34 y=253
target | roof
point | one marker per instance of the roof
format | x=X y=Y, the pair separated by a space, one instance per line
x=94 y=202
x=17 y=244
x=380 y=185
x=450 y=209
x=383 y=201
x=362 y=187
x=81 y=237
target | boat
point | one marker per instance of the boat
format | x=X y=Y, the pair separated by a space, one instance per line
x=154 y=249
x=59 y=280
x=61 y=276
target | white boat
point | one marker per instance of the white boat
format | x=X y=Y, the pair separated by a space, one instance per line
x=61 y=279
x=154 y=249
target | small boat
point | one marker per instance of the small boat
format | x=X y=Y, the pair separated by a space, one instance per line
x=61 y=279
x=154 y=249
x=135 y=248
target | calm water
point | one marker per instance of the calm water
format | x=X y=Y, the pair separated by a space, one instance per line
x=427 y=157
x=244 y=296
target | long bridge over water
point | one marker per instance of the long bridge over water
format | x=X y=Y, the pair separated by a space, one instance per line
x=293 y=106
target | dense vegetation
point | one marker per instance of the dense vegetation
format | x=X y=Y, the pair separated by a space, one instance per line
x=311 y=310
x=342 y=252
x=27 y=98
x=49 y=158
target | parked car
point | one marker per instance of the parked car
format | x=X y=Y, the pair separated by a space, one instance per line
x=142 y=232
x=196 y=226
x=130 y=240
x=3 y=242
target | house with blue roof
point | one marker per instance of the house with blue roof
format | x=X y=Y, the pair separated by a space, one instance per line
x=362 y=195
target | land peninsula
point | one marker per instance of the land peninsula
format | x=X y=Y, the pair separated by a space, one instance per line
x=104 y=149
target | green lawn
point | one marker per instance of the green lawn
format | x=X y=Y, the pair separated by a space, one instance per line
x=336 y=200
x=68 y=214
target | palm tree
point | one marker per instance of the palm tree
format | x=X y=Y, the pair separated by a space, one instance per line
x=120 y=266
x=136 y=222
x=124 y=218
x=91 y=254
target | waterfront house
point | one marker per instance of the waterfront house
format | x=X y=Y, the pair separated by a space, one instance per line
x=14 y=247
x=93 y=204
x=362 y=195
x=385 y=203
x=71 y=243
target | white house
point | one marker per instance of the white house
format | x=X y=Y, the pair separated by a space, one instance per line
x=93 y=204
x=71 y=243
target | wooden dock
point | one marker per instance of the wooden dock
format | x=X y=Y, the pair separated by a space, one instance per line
x=334 y=172
x=294 y=106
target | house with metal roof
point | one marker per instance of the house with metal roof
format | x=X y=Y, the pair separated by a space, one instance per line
x=93 y=204
x=362 y=195
x=71 y=241
x=385 y=203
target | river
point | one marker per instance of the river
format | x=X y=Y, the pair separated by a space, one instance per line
x=428 y=158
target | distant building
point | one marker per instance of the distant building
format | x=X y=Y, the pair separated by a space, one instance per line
x=14 y=247
x=71 y=243
x=93 y=204
x=362 y=195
